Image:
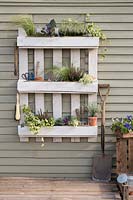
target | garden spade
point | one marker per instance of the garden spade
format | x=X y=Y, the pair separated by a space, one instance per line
x=102 y=164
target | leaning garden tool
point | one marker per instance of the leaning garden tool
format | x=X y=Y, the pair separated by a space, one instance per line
x=17 y=108
x=102 y=164
x=103 y=105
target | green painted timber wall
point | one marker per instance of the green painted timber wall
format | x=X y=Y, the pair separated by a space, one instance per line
x=65 y=160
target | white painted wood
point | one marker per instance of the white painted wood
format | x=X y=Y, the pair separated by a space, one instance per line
x=39 y=103
x=93 y=62
x=39 y=71
x=56 y=87
x=75 y=62
x=24 y=139
x=75 y=58
x=57 y=139
x=60 y=131
x=58 y=42
x=21 y=32
x=92 y=69
x=75 y=139
x=57 y=57
x=40 y=139
x=23 y=62
x=23 y=101
x=75 y=103
x=23 y=68
x=57 y=106
x=57 y=98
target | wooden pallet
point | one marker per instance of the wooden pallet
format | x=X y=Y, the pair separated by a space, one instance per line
x=38 y=189
x=39 y=88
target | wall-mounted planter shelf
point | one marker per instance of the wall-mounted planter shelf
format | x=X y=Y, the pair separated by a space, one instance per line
x=58 y=132
x=56 y=87
x=58 y=42
x=39 y=88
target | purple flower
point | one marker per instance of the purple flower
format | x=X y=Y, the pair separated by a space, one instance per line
x=129 y=117
x=128 y=126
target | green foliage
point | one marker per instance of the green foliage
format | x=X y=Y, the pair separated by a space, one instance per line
x=93 y=30
x=27 y=24
x=122 y=125
x=67 y=121
x=34 y=122
x=74 y=122
x=71 y=74
x=71 y=27
x=67 y=74
x=92 y=109
x=87 y=79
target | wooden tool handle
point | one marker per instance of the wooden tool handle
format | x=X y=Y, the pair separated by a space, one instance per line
x=103 y=85
x=17 y=113
x=16 y=61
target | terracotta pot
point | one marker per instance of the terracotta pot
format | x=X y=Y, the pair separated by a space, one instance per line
x=38 y=78
x=92 y=121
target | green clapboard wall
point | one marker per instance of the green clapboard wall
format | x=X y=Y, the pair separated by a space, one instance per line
x=69 y=160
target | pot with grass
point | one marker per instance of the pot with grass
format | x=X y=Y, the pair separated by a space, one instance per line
x=92 y=114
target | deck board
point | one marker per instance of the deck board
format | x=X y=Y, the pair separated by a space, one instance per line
x=12 y=188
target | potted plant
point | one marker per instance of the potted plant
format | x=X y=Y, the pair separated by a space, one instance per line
x=92 y=114
x=122 y=126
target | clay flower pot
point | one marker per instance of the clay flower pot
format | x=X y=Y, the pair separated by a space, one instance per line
x=92 y=121
x=39 y=78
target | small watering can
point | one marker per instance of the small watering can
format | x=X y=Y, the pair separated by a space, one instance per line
x=28 y=76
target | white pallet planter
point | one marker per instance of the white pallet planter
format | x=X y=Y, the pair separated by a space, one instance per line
x=58 y=42
x=39 y=44
x=58 y=132
x=56 y=87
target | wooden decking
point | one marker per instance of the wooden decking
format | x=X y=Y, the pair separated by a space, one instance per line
x=42 y=189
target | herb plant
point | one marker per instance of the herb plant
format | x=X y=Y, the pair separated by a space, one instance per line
x=92 y=109
x=71 y=27
x=122 y=125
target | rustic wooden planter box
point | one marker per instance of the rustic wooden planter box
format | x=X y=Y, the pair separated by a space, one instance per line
x=124 y=155
x=124 y=158
x=58 y=132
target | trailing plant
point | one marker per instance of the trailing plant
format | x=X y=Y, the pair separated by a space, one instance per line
x=71 y=27
x=34 y=122
x=27 y=24
x=122 y=125
x=87 y=79
x=92 y=109
x=93 y=30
